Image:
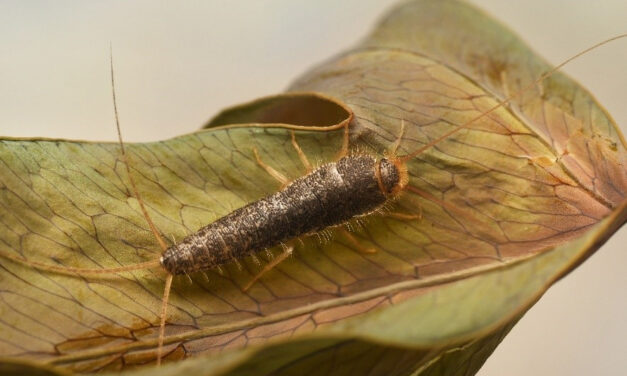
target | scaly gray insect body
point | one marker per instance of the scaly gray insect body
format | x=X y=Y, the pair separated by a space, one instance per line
x=328 y=196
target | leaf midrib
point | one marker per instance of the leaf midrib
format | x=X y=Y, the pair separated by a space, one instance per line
x=284 y=315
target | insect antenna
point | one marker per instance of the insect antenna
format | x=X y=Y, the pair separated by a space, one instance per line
x=402 y=160
x=508 y=99
x=81 y=271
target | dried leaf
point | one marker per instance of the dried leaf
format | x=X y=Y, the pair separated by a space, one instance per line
x=509 y=206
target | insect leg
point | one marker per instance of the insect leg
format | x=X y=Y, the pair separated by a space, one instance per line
x=356 y=243
x=301 y=154
x=269 y=266
x=271 y=171
x=405 y=216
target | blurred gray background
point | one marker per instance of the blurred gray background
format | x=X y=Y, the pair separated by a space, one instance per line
x=178 y=63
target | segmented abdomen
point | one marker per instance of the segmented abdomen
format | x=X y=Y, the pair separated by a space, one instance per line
x=328 y=196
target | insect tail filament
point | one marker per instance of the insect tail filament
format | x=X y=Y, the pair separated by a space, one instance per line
x=164 y=309
x=68 y=270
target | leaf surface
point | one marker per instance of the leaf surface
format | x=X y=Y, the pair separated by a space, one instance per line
x=508 y=206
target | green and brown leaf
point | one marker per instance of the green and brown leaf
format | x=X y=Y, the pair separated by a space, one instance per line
x=508 y=206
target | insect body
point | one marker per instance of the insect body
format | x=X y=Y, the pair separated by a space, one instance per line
x=329 y=196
